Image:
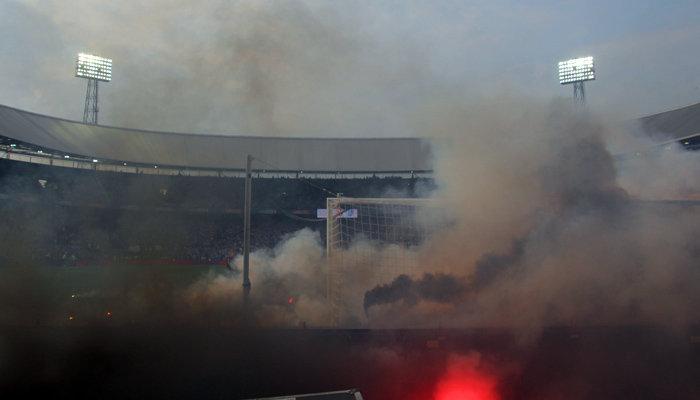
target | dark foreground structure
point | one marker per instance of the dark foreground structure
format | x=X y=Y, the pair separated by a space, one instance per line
x=167 y=362
x=352 y=394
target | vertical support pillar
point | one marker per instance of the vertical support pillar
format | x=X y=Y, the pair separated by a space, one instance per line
x=91 y=108
x=246 y=232
x=95 y=108
x=579 y=94
x=328 y=251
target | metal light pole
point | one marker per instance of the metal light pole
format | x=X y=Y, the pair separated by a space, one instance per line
x=94 y=69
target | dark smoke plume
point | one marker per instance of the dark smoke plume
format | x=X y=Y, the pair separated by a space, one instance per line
x=493 y=264
x=439 y=288
x=444 y=288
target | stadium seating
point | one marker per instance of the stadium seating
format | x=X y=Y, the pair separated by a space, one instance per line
x=62 y=215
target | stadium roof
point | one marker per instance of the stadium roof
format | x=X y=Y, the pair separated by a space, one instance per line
x=229 y=153
x=214 y=152
x=680 y=123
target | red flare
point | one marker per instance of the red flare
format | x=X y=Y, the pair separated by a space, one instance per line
x=463 y=381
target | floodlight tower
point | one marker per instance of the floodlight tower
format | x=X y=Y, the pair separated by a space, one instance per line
x=577 y=71
x=94 y=69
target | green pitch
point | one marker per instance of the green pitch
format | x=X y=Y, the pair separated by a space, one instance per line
x=44 y=295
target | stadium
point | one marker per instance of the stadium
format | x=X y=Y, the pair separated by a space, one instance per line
x=122 y=255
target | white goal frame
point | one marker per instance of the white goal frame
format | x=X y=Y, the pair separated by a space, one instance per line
x=387 y=222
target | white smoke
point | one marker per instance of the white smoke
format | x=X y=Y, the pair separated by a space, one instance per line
x=288 y=284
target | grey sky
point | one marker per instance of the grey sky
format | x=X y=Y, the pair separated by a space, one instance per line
x=338 y=68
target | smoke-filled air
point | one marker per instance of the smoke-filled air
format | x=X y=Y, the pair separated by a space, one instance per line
x=548 y=227
x=552 y=227
x=553 y=213
x=325 y=69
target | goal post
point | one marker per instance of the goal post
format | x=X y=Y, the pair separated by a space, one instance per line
x=377 y=237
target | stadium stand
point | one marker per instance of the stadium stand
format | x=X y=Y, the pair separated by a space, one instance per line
x=71 y=191
x=73 y=214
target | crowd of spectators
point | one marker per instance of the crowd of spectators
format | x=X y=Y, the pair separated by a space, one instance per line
x=62 y=235
x=81 y=186
x=64 y=214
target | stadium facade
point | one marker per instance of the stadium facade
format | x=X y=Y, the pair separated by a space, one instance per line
x=30 y=137
x=41 y=139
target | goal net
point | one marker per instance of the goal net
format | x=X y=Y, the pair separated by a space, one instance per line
x=371 y=241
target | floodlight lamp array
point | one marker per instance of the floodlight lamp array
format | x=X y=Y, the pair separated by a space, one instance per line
x=93 y=67
x=576 y=70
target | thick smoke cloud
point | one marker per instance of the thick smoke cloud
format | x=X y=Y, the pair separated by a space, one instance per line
x=288 y=286
x=551 y=229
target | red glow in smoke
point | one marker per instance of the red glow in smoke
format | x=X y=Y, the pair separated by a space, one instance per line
x=463 y=381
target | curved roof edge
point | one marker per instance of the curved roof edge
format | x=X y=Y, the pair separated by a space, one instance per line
x=676 y=124
x=355 y=155
x=284 y=154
